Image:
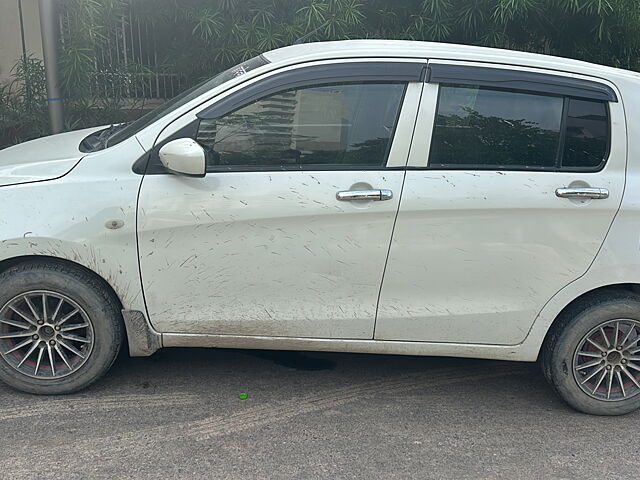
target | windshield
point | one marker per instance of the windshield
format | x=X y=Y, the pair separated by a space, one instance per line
x=184 y=98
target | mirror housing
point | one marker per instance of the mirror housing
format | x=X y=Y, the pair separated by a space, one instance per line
x=184 y=156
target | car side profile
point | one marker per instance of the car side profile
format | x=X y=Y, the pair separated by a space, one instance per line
x=370 y=196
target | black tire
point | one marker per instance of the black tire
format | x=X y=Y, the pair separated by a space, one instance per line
x=94 y=297
x=557 y=355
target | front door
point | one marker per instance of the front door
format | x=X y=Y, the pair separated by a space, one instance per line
x=288 y=233
x=496 y=222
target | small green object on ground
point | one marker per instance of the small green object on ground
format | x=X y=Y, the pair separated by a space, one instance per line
x=243 y=396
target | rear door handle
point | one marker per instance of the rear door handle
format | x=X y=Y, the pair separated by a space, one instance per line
x=582 y=192
x=379 y=195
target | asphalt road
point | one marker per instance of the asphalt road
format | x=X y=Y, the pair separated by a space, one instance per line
x=310 y=415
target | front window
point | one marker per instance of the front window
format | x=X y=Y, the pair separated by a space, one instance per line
x=116 y=135
x=322 y=126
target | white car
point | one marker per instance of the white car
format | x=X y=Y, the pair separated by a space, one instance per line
x=360 y=196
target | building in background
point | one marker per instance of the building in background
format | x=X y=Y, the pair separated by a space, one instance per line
x=11 y=34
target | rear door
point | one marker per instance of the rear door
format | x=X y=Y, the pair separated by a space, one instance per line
x=288 y=232
x=513 y=182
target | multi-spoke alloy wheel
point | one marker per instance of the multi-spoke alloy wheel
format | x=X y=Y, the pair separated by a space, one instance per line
x=591 y=356
x=61 y=327
x=606 y=363
x=44 y=334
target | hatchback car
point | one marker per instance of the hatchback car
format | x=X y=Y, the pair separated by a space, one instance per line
x=360 y=196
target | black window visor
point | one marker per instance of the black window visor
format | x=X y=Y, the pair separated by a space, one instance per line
x=360 y=72
x=520 y=80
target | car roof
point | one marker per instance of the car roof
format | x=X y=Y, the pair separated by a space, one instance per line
x=433 y=50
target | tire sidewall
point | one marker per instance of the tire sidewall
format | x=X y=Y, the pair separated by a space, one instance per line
x=106 y=330
x=561 y=362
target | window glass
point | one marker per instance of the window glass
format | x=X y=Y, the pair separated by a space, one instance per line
x=587 y=134
x=323 y=126
x=480 y=127
x=184 y=98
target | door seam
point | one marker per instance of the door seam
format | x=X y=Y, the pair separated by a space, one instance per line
x=395 y=218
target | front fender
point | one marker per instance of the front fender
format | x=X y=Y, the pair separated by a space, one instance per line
x=87 y=217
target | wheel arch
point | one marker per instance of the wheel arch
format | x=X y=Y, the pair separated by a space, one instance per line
x=594 y=292
x=140 y=339
x=11 y=262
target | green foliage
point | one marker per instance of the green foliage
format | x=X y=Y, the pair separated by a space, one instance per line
x=201 y=37
x=23 y=108
x=197 y=38
x=96 y=93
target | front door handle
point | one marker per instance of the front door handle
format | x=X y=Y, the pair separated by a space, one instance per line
x=379 y=195
x=582 y=192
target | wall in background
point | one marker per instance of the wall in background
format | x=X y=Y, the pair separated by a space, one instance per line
x=10 y=39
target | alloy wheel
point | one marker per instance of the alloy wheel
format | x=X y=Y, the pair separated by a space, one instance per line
x=606 y=364
x=45 y=334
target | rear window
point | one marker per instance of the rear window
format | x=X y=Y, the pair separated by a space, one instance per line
x=488 y=128
x=587 y=134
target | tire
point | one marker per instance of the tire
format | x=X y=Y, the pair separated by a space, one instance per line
x=94 y=332
x=571 y=363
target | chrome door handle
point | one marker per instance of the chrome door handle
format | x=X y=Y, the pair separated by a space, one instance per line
x=349 y=195
x=582 y=192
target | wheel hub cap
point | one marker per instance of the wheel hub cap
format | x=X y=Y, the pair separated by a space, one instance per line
x=613 y=358
x=606 y=363
x=45 y=334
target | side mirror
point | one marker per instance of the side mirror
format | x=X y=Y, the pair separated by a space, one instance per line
x=183 y=156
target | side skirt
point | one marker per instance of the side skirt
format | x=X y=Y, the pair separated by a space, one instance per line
x=492 y=352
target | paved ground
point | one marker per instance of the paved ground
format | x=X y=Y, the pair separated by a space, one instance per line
x=308 y=416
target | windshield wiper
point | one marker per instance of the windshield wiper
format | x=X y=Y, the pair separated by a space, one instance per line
x=98 y=140
x=106 y=134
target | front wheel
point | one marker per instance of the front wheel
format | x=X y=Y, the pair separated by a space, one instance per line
x=592 y=356
x=60 y=328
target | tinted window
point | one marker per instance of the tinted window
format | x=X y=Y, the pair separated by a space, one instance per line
x=487 y=128
x=185 y=97
x=587 y=138
x=322 y=126
x=483 y=127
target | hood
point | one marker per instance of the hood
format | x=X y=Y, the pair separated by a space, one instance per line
x=42 y=159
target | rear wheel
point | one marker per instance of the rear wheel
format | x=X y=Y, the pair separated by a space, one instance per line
x=60 y=328
x=592 y=357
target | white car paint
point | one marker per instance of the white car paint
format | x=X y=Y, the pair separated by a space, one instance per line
x=70 y=217
x=185 y=156
x=277 y=251
x=494 y=246
x=65 y=211
x=42 y=159
x=265 y=254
